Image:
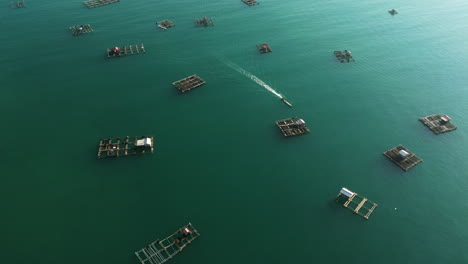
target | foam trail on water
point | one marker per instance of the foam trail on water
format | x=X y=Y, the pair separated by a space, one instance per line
x=254 y=78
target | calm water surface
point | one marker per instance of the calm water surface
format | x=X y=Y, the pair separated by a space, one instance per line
x=220 y=162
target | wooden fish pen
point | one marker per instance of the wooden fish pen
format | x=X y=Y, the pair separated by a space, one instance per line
x=393 y=12
x=343 y=55
x=126 y=51
x=98 y=3
x=358 y=204
x=161 y=251
x=81 y=30
x=18 y=4
x=250 y=2
x=116 y=147
x=438 y=123
x=292 y=126
x=263 y=48
x=402 y=157
x=188 y=83
x=204 y=22
x=165 y=24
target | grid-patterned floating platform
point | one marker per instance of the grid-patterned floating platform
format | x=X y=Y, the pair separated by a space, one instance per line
x=263 y=48
x=98 y=3
x=188 y=83
x=18 y=4
x=438 y=123
x=358 y=204
x=81 y=29
x=204 y=22
x=344 y=55
x=115 y=147
x=292 y=126
x=402 y=157
x=161 y=251
x=250 y=2
x=125 y=51
x=165 y=24
x=393 y=12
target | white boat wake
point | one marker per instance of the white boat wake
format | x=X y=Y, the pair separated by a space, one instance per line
x=254 y=78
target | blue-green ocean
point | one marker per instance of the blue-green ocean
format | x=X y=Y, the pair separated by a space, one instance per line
x=220 y=162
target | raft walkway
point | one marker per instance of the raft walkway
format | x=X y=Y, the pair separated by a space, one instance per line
x=356 y=203
x=161 y=251
x=127 y=51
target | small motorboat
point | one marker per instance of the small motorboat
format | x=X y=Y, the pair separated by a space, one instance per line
x=286 y=102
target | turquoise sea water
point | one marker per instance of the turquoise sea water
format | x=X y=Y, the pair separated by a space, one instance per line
x=220 y=162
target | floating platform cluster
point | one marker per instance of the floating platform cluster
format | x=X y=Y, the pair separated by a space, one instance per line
x=165 y=24
x=98 y=3
x=438 y=123
x=292 y=126
x=18 y=4
x=393 y=12
x=125 y=51
x=343 y=56
x=358 y=204
x=161 y=251
x=116 y=147
x=402 y=157
x=263 y=48
x=81 y=30
x=188 y=83
x=204 y=22
x=250 y=2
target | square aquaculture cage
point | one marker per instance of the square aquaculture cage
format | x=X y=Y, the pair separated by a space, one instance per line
x=263 y=48
x=204 y=22
x=292 y=126
x=116 y=147
x=188 y=83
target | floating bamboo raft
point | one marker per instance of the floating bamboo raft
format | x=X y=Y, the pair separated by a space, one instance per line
x=263 y=48
x=292 y=126
x=18 y=4
x=98 y=3
x=188 y=83
x=358 y=204
x=405 y=163
x=436 y=124
x=161 y=251
x=343 y=55
x=116 y=147
x=204 y=22
x=165 y=24
x=81 y=30
x=250 y=2
x=393 y=12
x=126 y=51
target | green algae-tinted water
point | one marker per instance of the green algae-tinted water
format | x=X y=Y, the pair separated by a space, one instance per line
x=220 y=162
